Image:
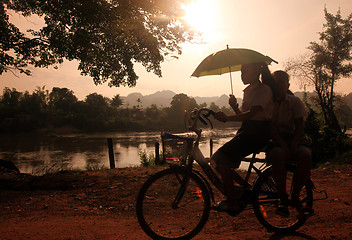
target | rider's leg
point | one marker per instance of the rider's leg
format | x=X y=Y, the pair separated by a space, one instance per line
x=224 y=166
x=278 y=159
x=303 y=160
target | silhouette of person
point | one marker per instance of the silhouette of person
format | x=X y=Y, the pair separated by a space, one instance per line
x=287 y=143
x=254 y=133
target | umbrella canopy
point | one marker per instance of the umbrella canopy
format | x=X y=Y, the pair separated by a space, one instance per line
x=229 y=60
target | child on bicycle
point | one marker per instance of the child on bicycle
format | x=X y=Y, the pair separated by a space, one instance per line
x=255 y=115
x=287 y=144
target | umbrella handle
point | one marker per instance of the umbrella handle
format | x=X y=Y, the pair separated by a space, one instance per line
x=231 y=80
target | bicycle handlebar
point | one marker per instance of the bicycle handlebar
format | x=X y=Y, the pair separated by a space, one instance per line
x=201 y=114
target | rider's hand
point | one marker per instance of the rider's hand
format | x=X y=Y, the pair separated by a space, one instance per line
x=220 y=116
x=233 y=102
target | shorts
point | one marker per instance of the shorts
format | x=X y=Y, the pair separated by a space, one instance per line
x=305 y=141
x=250 y=138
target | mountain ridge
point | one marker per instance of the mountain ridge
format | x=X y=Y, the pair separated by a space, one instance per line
x=163 y=99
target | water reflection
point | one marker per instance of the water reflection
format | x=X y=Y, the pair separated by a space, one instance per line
x=40 y=154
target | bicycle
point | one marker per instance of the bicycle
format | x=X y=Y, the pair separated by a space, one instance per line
x=181 y=188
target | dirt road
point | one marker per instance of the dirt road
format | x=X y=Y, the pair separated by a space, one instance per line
x=101 y=205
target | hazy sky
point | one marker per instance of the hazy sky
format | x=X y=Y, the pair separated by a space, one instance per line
x=278 y=28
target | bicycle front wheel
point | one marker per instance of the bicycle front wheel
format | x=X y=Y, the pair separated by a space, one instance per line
x=173 y=204
x=267 y=200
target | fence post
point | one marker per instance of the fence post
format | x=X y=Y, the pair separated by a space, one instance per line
x=157 y=157
x=111 y=153
x=163 y=148
x=211 y=147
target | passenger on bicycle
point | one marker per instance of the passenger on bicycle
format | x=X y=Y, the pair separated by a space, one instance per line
x=288 y=144
x=255 y=115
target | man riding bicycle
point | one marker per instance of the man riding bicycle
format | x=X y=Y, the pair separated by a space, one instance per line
x=288 y=145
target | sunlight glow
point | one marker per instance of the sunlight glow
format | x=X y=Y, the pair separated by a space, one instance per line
x=202 y=16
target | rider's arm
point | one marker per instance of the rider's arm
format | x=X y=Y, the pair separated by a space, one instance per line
x=298 y=133
x=243 y=116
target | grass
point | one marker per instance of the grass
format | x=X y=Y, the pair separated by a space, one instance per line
x=52 y=168
x=147 y=160
x=95 y=167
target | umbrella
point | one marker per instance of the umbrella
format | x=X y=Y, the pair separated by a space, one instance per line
x=229 y=60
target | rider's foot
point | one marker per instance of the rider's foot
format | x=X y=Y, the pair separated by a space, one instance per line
x=224 y=206
x=303 y=212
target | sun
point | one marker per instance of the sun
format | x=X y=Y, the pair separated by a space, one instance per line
x=201 y=15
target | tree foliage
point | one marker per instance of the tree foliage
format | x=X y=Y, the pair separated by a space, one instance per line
x=107 y=37
x=330 y=60
x=60 y=107
x=116 y=101
x=181 y=103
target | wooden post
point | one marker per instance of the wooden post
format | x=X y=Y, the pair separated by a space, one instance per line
x=163 y=148
x=157 y=157
x=111 y=154
x=211 y=147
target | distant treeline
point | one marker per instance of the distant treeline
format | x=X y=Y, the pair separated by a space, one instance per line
x=24 y=111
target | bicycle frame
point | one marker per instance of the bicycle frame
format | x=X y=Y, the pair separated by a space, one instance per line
x=196 y=155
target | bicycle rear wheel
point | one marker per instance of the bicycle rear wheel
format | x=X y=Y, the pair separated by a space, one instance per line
x=166 y=200
x=267 y=200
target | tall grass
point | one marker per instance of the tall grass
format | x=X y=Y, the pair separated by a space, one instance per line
x=147 y=160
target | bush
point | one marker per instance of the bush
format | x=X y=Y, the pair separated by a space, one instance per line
x=147 y=160
x=326 y=143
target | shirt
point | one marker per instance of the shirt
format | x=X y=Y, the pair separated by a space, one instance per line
x=258 y=94
x=285 y=113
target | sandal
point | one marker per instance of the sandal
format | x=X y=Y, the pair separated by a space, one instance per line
x=303 y=212
x=223 y=206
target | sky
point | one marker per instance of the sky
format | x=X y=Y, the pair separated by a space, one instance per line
x=280 y=29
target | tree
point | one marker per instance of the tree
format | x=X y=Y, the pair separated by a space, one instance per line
x=214 y=107
x=11 y=98
x=12 y=40
x=329 y=61
x=107 y=37
x=139 y=103
x=97 y=104
x=62 y=99
x=116 y=101
x=180 y=104
x=152 y=112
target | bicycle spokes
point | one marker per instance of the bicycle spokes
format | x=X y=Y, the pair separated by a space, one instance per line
x=168 y=199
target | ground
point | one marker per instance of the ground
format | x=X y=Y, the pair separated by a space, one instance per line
x=101 y=205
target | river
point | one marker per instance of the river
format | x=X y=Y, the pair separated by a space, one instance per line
x=38 y=154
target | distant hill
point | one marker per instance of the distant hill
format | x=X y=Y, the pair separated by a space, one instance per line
x=160 y=98
x=164 y=98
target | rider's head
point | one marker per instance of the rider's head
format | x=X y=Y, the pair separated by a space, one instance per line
x=282 y=83
x=250 y=72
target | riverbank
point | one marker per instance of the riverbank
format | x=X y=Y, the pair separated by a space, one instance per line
x=101 y=205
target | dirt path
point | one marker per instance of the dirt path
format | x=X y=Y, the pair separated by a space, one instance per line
x=100 y=205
